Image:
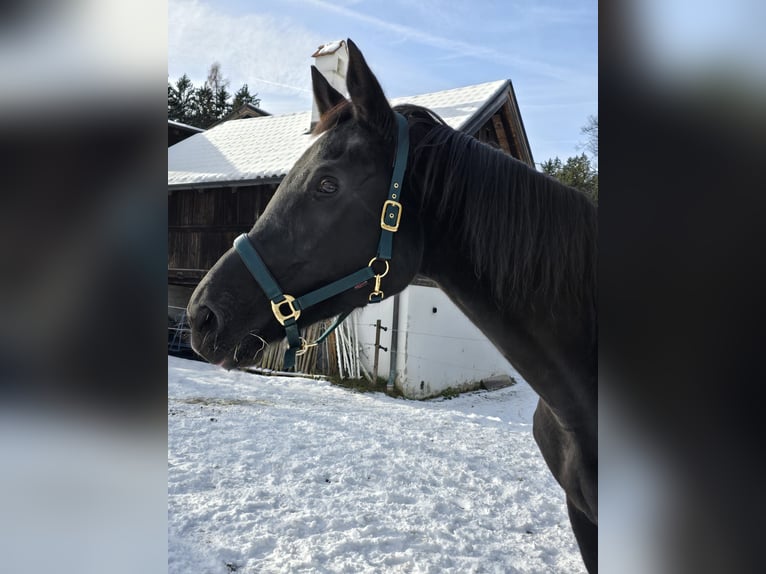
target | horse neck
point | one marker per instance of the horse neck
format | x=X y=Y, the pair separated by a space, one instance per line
x=551 y=341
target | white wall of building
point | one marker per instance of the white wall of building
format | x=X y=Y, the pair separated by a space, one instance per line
x=365 y=322
x=438 y=346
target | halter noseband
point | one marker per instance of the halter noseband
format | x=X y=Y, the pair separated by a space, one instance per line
x=287 y=308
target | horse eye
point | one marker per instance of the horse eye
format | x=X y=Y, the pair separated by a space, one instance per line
x=328 y=185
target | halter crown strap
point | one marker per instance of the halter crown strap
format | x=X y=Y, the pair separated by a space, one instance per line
x=286 y=308
x=392 y=208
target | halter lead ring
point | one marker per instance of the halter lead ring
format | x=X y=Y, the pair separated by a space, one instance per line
x=390 y=217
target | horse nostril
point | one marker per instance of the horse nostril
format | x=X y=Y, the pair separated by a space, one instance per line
x=209 y=319
x=204 y=320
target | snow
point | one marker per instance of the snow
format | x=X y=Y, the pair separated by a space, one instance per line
x=278 y=474
x=329 y=48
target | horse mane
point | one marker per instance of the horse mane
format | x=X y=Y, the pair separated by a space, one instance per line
x=533 y=239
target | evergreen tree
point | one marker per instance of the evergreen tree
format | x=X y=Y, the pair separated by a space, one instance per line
x=181 y=100
x=221 y=105
x=577 y=172
x=204 y=108
x=243 y=97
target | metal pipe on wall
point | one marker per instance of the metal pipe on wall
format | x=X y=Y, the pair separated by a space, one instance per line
x=394 y=342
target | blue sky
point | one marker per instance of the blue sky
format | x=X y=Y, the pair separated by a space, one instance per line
x=548 y=49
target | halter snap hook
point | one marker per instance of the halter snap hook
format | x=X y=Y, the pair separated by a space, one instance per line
x=377 y=294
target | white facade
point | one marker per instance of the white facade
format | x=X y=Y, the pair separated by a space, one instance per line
x=332 y=60
x=438 y=347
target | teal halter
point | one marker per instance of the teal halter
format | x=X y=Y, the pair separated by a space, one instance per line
x=287 y=308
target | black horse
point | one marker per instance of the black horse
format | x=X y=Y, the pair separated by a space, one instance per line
x=514 y=249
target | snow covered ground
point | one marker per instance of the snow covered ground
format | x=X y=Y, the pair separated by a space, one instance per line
x=269 y=474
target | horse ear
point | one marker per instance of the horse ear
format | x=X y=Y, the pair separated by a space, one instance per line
x=325 y=95
x=370 y=103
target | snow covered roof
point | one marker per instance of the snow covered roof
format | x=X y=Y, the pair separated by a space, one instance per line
x=265 y=148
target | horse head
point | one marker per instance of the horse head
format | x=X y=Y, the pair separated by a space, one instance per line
x=323 y=223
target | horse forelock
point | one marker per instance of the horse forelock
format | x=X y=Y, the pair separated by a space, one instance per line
x=344 y=111
x=335 y=116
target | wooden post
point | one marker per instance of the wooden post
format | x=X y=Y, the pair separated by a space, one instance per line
x=377 y=350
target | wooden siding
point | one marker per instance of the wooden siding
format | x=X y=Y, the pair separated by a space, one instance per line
x=203 y=224
x=501 y=131
x=486 y=134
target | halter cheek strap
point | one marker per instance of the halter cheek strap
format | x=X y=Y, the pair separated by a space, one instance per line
x=287 y=309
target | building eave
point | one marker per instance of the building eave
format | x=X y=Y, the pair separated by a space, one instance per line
x=515 y=108
x=487 y=110
x=491 y=107
x=226 y=183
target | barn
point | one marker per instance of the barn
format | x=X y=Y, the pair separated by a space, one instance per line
x=178 y=132
x=220 y=181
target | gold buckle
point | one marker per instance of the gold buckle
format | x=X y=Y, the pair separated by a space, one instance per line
x=378 y=278
x=385 y=224
x=282 y=317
